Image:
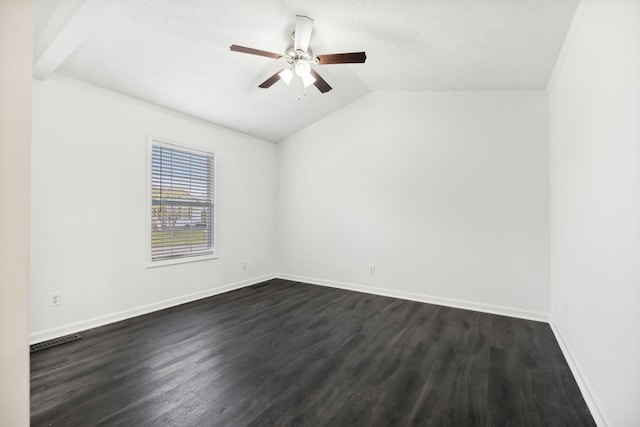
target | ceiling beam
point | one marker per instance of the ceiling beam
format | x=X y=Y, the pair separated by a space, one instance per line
x=67 y=28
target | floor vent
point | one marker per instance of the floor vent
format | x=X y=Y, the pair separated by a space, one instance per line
x=54 y=342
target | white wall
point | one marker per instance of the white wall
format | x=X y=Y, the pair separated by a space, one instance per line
x=445 y=193
x=594 y=104
x=89 y=209
x=15 y=135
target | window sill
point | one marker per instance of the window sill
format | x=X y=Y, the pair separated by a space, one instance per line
x=166 y=262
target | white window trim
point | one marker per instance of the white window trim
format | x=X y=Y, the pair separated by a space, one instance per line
x=182 y=260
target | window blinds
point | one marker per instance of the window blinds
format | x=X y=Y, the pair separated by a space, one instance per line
x=182 y=196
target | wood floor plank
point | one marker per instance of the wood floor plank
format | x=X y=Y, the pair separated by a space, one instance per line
x=290 y=353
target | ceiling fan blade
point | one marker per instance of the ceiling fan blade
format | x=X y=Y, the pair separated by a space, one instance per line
x=304 y=26
x=271 y=80
x=242 y=49
x=320 y=83
x=342 y=58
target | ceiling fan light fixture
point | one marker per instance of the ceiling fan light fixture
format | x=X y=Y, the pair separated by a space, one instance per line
x=302 y=67
x=286 y=75
x=308 y=80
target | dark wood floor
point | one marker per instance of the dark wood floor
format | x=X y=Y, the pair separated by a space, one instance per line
x=296 y=354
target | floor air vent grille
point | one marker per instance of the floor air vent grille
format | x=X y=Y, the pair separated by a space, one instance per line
x=54 y=342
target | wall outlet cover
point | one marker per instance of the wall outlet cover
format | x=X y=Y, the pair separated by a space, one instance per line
x=54 y=299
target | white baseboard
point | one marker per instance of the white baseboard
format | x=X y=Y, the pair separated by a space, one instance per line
x=71 y=328
x=448 y=302
x=585 y=387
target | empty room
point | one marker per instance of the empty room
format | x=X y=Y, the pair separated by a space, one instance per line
x=336 y=213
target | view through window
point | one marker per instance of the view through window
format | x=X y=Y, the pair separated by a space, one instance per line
x=182 y=202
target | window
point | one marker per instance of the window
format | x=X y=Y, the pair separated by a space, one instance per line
x=182 y=202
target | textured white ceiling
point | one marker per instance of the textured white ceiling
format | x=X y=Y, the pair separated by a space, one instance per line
x=175 y=53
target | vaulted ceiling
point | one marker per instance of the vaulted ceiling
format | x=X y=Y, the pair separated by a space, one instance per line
x=175 y=53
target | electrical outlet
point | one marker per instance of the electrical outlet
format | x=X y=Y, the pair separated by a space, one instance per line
x=243 y=265
x=54 y=299
x=372 y=269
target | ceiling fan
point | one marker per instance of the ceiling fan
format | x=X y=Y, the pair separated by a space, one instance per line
x=300 y=57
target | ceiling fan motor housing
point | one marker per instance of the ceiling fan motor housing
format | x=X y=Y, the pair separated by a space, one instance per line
x=299 y=58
